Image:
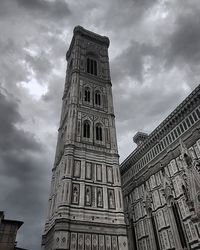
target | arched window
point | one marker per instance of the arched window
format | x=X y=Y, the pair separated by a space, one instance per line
x=87 y=94
x=86 y=129
x=92 y=66
x=98 y=98
x=98 y=132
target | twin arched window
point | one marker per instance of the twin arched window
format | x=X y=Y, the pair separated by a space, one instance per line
x=86 y=129
x=97 y=96
x=91 y=66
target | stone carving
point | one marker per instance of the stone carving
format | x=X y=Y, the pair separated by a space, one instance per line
x=167 y=187
x=111 y=198
x=147 y=200
x=73 y=241
x=94 y=242
x=80 y=241
x=87 y=241
x=191 y=177
x=75 y=194
x=88 y=195
x=101 y=242
x=108 y=242
x=99 y=197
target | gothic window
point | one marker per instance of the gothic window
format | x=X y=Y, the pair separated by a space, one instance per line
x=98 y=132
x=86 y=129
x=98 y=98
x=87 y=95
x=91 y=66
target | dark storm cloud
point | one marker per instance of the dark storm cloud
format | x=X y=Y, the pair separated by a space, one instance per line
x=22 y=170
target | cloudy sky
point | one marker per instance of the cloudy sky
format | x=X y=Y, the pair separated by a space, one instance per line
x=155 y=64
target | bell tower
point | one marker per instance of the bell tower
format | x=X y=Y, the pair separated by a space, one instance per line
x=85 y=209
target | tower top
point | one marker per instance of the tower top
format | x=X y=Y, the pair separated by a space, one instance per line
x=79 y=30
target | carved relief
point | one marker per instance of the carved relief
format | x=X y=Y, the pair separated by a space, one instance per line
x=94 y=242
x=80 y=241
x=87 y=241
x=147 y=201
x=73 y=241
x=88 y=196
x=108 y=242
x=191 y=179
x=99 y=197
x=111 y=198
x=75 y=193
x=167 y=187
x=101 y=242
x=114 y=243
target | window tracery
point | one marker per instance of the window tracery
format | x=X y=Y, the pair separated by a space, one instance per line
x=86 y=129
x=98 y=132
x=91 y=66
x=87 y=95
x=98 y=98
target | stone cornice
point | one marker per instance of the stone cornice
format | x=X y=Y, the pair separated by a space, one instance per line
x=170 y=122
x=78 y=30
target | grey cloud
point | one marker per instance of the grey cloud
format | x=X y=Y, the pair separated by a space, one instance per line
x=40 y=64
x=24 y=166
x=130 y=63
x=185 y=40
x=14 y=136
x=57 y=9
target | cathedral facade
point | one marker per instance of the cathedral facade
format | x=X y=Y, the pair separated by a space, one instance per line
x=161 y=182
x=85 y=209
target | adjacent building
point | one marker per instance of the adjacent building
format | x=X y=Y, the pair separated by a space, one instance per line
x=161 y=182
x=85 y=205
x=8 y=233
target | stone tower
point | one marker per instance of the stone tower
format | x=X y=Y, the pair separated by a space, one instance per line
x=85 y=204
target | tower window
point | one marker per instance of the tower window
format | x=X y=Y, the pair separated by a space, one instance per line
x=87 y=95
x=98 y=98
x=91 y=66
x=86 y=129
x=98 y=132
